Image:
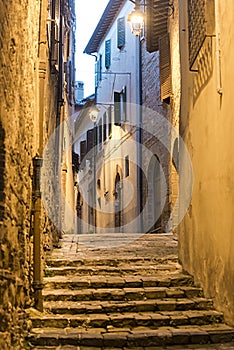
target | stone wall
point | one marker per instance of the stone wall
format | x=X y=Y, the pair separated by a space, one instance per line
x=23 y=134
x=18 y=59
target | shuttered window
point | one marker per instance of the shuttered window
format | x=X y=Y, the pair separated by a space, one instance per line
x=82 y=150
x=117 y=116
x=90 y=142
x=98 y=70
x=107 y=53
x=104 y=127
x=165 y=68
x=120 y=106
x=120 y=32
x=201 y=14
x=110 y=121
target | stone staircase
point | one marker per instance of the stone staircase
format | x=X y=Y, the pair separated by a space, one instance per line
x=100 y=302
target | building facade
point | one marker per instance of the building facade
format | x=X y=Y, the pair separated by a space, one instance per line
x=129 y=152
x=206 y=125
x=200 y=57
x=33 y=98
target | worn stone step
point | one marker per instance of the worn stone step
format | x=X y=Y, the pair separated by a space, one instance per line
x=125 y=294
x=112 y=270
x=166 y=304
x=131 y=261
x=217 y=346
x=142 y=337
x=129 y=320
x=77 y=282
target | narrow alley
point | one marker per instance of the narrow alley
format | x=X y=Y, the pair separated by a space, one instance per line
x=131 y=293
x=116 y=174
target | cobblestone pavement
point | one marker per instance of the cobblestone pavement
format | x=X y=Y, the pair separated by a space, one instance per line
x=116 y=245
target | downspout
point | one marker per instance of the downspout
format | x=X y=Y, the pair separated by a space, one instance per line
x=37 y=163
x=218 y=51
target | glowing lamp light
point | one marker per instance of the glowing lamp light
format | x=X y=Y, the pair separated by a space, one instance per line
x=93 y=114
x=137 y=21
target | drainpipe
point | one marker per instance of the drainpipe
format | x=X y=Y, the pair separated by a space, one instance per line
x=37 y=163
x=218 y=51
x=37 y=268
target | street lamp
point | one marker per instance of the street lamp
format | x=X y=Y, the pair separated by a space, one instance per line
x=137 y=20
x=93 y=115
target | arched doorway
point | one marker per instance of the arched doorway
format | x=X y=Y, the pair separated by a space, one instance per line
x=79 y=212
x=117 y=192
x=154 y=195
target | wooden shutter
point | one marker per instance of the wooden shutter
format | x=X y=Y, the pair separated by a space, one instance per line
x=124 y=93
x=82 y=150
x=75 y=162
x=104 y=127
x=120 y=32
x=110 y=121
x=90 y=142
x=165 y=68
x=98 y=70
x=107 y=53
x=117 y=114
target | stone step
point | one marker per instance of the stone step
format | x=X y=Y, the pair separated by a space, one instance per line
x=219 y=346
x=129 y=320
x=125 y=294
x=109 y=261
x=76 y=282
x=141 y=337
x=166 y=304
x=111 y=270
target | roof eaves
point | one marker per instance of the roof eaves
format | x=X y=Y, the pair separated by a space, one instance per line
x=108 y=17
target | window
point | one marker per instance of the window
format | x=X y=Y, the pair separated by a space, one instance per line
x=82 y=153
x=120 y=110
x=108 y=53
x=201 y=24
x=127 y=166
x=165 y=68
x=110 y=121
x=104 y=127
x=90 y=142
x=120 y=32
x=98 y=70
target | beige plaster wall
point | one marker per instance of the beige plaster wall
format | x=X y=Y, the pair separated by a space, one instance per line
x=206 y=237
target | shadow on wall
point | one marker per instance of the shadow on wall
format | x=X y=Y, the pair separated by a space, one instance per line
x=2 y=169
x=204 y=67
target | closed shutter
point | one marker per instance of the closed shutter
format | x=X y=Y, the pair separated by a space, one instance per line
x=110 y=121
x=117 y=112
x=124 y=93
x=108 y=53
x=82 y=150
x=98 y=70
x=104 y=127
x=121 y=32
x=165 y=68
x=90 y=142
